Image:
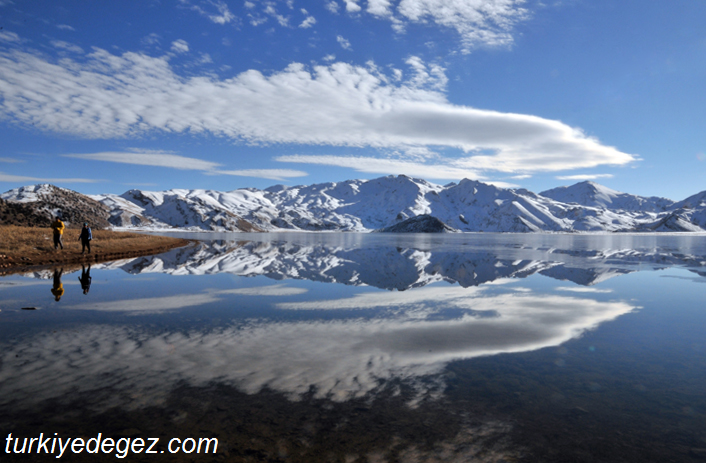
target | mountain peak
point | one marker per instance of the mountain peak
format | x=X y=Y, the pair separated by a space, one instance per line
x=592 y=194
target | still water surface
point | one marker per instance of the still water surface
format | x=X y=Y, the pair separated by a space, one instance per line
x=370 y=348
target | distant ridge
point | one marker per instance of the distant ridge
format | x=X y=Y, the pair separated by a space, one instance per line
x=367 y=205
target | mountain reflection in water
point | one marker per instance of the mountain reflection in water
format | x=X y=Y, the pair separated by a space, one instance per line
x=389 y=326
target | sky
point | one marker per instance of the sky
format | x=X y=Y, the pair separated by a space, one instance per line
x=106 y=96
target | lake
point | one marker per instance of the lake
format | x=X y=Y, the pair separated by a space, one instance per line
x=347 y=347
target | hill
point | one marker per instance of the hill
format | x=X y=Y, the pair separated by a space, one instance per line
x=37 y=205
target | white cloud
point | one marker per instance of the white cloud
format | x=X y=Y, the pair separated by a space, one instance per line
x=332 y=6
x=584 y=177
x=10 y=160
x=66 y=46
x=174 y=161
x=487 y=22
x=180 y=46
x=151 y=39
x=204 y=58
x=215 y=10
x=6 y=36
x=65 y=27
x=477 y=22
x=352 y=6
x=385 y=166
x=282 y=20
x=271 y=174
x=148 y=159
x=380 y=7
x=111 y=96
x=345 y=44
x=257 y=20
x=330 y=57
x=21 y=178
x=308 y=22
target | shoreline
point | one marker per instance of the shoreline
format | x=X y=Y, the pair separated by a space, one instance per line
x=27 y=249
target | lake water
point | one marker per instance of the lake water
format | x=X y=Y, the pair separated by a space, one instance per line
x=368 y=348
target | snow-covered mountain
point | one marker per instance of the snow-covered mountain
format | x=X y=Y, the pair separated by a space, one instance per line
x=360 y=205
x=594 y=195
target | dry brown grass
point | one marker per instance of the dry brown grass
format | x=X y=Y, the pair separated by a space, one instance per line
x=23 y=247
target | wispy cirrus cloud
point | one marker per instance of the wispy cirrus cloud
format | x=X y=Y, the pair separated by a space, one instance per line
x=7 y=36
x=22 y=178
x=584 y=176
x=270 y=174
x=117 y=96
x=66 y=46
x=175 y=161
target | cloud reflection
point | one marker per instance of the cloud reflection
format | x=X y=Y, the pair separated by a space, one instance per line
x=181 y=301
x=340 y=359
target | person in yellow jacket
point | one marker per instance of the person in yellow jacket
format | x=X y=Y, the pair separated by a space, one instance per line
x=58 y=288
x=58 y=227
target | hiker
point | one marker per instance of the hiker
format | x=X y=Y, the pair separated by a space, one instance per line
x=85 y=278
x=85 y=237
x=58 y=288
x=58 y=227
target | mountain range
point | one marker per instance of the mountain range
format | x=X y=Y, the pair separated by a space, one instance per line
x=367 y=205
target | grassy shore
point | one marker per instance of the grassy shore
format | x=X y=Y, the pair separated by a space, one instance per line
x=26 y=248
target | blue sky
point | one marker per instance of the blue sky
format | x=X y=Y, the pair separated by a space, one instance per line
x=102 y=97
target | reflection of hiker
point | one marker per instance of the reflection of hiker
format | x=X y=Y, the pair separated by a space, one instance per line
x=86 y=236
x=58 y=227
x=85 y=278
x=58 y=289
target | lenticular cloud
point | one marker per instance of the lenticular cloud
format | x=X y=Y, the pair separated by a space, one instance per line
x=101 y=95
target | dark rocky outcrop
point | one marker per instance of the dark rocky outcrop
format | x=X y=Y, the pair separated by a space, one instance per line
x=419 y=224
